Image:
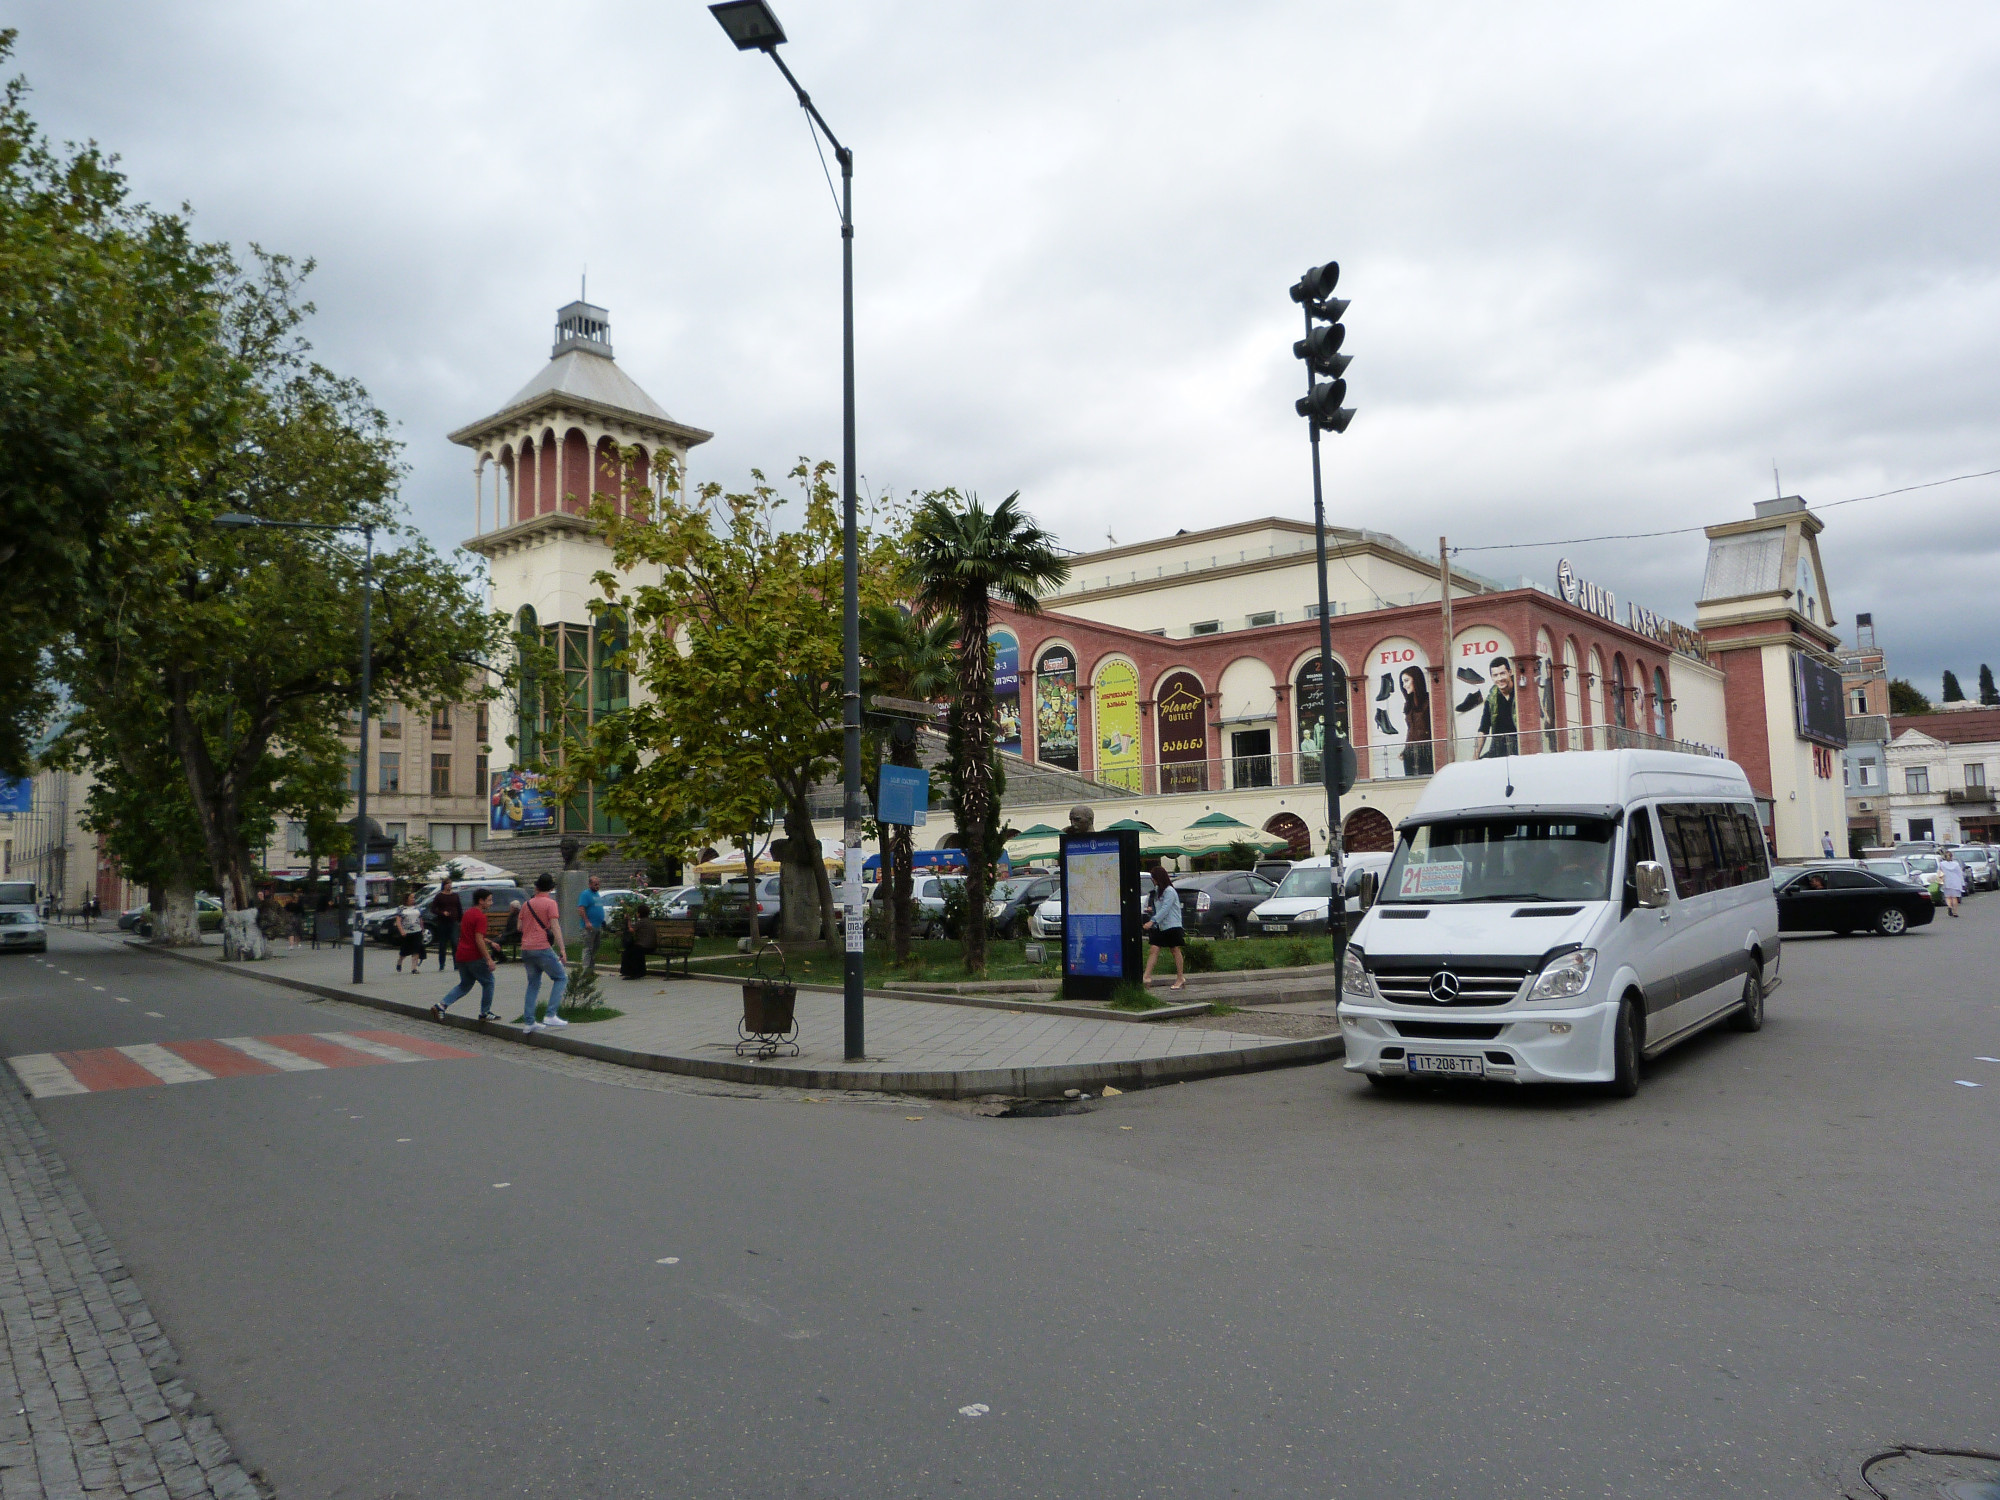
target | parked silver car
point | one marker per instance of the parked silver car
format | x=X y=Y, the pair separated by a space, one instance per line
x=21 y=928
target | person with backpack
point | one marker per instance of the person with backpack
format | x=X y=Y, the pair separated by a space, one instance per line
x=475 y=962
x=542 y=953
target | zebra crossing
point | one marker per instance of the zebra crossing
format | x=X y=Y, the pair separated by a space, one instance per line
x=48 y=1075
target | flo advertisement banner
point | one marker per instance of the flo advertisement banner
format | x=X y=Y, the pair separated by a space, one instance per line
x=1399 y=702
x=518 y=805
x=1055 y=709
x=1007 y=689
x=1117 y=720
x=1183 y=721
x=1486 y=700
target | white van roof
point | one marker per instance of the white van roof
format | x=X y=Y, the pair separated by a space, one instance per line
x=1595 y=782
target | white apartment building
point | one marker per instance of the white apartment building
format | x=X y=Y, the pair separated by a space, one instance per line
x=1941 y=772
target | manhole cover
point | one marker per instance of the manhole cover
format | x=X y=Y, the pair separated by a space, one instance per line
x=1933 y=1474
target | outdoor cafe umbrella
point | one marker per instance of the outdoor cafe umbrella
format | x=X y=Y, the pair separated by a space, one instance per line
x=1033 y=843
x=1216 y=832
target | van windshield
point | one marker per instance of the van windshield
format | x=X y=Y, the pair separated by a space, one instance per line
x=1502 y=859
x=17 y=893
x=1305 y=883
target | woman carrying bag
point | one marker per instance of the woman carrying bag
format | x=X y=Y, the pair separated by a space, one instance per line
x=409 y=934
x=542 y=953
x=1165 y=928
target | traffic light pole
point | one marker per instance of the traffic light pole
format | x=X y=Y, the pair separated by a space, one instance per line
x=1329 y=736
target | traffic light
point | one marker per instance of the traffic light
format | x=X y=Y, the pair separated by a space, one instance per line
x=1320 y=349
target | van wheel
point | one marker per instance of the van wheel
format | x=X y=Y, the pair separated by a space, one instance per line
x=1751 y=1016
x=1625 y=1054
x=1892 y=922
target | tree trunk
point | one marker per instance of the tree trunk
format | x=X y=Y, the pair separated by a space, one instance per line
x=242 y=938
x=976 y=745
x=176 y=923
x=901 y=843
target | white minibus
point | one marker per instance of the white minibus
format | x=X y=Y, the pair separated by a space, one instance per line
x=1561 y=918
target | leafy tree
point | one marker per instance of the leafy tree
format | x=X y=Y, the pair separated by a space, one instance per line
x=735 y=655
x=1953 y=693
x=901 y=657
x=1988 y=694
x=961 y=557
x=1905 y=699
x=112 y=384
x=412 y=860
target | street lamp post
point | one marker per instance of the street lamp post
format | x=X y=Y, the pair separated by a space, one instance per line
x=367 y=530
x=752 y=26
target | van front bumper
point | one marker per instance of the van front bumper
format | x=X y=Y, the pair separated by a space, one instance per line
x=1545 y=1044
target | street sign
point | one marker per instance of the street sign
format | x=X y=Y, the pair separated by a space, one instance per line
x=17 y=794
x=903 y=795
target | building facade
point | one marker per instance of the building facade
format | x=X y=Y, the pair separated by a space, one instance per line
x=49 y=845
x=1864 y=764
x=1941 y=770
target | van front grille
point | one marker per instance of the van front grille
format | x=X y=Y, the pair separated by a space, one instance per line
x=1447 y=1031
x=1481 y=983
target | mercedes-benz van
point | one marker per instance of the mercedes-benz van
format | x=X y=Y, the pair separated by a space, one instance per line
x=20 y=919
x=1560 y=918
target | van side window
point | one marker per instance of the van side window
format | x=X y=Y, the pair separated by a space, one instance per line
x=1638 y=847
x=1691 y=851
x=1758 y=866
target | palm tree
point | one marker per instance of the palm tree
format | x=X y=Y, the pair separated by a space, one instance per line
x=962 y=557
x=903 y=657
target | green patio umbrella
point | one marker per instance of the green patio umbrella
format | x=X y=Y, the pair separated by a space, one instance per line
x=1039 y=831
x=1216 y=832
x=1132 y=823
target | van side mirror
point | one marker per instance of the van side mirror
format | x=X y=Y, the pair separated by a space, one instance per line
x=1651 y=880
x=1370 y=887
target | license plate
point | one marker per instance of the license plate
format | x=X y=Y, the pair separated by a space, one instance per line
x=1276 y=927
x=1432 y=1062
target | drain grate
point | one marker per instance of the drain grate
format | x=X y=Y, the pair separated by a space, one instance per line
x=1933 y=1474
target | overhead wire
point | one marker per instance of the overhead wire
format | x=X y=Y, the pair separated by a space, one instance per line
x=1634 y=536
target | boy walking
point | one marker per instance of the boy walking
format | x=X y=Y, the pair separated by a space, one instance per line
x=475 y=962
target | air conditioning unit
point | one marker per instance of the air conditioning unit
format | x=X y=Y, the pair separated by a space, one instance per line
x=1864 y=807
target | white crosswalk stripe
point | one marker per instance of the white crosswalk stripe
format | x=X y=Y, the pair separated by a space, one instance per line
x=44 y=1076
x=264 y=1052
x=164 y=1065
x=367 y=1044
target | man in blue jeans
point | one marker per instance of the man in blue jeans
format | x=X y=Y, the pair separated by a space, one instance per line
x=542 y=953
x=475 y=961
x=590 y=906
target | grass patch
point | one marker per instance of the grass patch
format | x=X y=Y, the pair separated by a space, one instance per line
x=1131 y=996
x=1222 y=1008
x=594 y=1013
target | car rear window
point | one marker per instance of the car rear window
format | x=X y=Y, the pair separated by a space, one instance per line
x=17 y=893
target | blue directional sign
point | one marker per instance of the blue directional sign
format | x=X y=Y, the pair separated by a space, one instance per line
x=902 y=796
x=17 y=794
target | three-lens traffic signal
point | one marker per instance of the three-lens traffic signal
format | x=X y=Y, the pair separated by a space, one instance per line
x=1320 y=349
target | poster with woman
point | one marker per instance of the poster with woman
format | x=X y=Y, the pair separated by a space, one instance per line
x=1545 y=688
x=1308 y=707
x=1182 y=714
x=1055 y=708
x=1007 y=690
x=1115 y=705
x=1399 y=700
x=1486 y=701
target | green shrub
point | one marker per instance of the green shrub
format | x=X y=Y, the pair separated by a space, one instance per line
x=1200 y=957
x=1298 y=954
x=1254 y=961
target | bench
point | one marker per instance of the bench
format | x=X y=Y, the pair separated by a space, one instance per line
x=670 y=937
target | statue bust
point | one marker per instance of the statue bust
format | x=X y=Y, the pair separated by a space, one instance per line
x=570 y=847
x=1081 y=819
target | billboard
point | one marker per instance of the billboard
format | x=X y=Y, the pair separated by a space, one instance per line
x=1007 y=689
x=1399 y=704
x=1117 y=721
x=1055 y=708
x=517 y=804
x=1183 y=726
x=1310 y=711
x=1816 y=697
x=1486 y=705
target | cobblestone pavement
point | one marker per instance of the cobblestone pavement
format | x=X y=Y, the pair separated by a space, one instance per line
x=89 y=1400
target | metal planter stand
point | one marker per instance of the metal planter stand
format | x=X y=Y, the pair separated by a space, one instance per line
x=770 y=1021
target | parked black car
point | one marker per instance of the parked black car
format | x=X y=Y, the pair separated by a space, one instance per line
x=1843 y=901
x=1015 y=900
x=1214 y=904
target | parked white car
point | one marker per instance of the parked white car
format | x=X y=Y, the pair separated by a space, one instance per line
x=20 y=920
x=1047 y=922
x=1301 y=901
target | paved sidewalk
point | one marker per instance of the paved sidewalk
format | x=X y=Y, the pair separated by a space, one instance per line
x=89 y=1402
x=914 y=1046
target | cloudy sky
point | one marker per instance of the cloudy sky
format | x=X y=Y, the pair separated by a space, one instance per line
x=1609 y=264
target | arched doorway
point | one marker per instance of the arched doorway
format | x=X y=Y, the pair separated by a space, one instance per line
x=1367 y=831
x=1292 y=829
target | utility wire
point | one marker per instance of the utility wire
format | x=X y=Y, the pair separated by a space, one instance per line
x=813 y=131
x=1633 y=536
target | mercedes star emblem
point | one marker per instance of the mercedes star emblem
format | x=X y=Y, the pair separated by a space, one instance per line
x=1444 y=986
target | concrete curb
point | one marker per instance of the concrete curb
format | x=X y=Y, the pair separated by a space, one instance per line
x=1137 y=1073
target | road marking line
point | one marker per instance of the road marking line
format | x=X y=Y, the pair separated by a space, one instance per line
x=277 y=1057
x=44 y=1076
x=156 y=1015
x=1965 y=1083
x=422 y=1046
x=369 y=1045
x=123 y=1001
x=99 y=988
x=164 y=1065
x=106 y=1068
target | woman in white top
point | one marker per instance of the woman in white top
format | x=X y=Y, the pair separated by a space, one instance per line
x=409 y=934
x=1165 y=928
x=1952 y=873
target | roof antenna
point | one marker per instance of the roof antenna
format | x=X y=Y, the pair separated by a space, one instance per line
x=1776 y=485
x=583 y=288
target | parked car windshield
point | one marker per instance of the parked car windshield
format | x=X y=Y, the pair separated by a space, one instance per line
x=1923 y=864
x=1305 y=883
x=17 y=893
x=1007 y=890
x=1895 y=869
x=1502 y=859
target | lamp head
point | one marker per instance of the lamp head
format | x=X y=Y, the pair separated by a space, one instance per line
x=750 y=24
x=234 y=520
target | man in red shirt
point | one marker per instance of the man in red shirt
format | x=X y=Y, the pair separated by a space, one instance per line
x=475 y=961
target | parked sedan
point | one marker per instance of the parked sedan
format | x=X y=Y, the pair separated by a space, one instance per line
x=1843 y=901
x=1217 y=903
x=1015 y=900
x=926 y=903
x=1047 y=922
x=1981 y=874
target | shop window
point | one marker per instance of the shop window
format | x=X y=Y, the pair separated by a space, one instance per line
x=1917 y=781
x=398 y=832
x=1921 y=830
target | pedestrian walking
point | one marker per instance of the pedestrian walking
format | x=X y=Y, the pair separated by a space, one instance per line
x=447 y=911
x=541 y=953
x=475 y=962
x=1165 y=928
x=590 y=906
x=1952 y=874
x=409 y=934
x=1826 y=842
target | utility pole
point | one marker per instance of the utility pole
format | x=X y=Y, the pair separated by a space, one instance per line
x=1444 y=587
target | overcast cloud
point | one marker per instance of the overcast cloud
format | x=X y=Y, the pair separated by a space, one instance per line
x=1608 y=263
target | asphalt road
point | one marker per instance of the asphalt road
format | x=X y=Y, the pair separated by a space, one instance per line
x=526 y=1275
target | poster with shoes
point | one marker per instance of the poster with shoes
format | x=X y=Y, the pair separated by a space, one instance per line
x=1486 y=701
x=1398 y=704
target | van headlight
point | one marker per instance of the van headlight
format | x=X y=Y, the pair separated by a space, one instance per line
x=1566 y=977
x=1354 y=981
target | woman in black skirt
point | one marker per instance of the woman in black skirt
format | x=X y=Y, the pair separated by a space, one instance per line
x=410 y=934
x=1164 y=929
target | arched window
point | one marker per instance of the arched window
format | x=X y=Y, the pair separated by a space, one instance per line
x=1620 y=708
x=1660 y=702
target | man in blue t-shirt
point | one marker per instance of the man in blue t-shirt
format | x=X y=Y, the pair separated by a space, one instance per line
x=591 y=907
